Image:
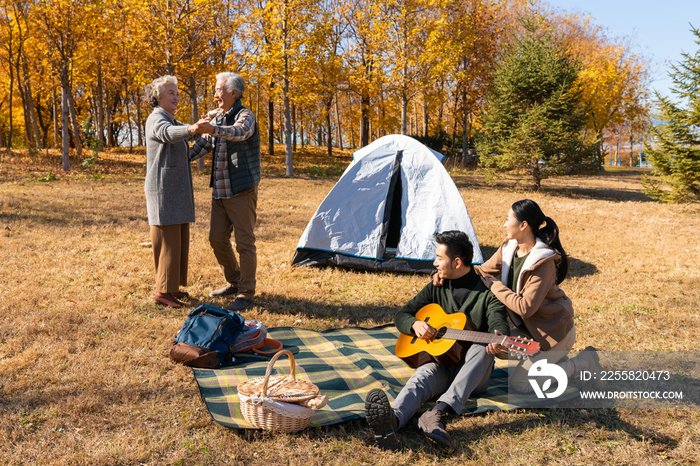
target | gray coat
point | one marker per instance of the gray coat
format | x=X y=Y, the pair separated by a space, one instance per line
x=169 y=192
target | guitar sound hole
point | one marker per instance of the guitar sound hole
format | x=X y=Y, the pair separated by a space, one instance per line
x=441 y=333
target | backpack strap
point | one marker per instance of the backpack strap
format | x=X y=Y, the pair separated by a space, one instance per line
x=276 y=346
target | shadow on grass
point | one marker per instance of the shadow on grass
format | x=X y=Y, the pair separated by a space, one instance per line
x=579 y=268
x=583 y=423
x=283 y=305
x=612 y=194
x=598 y=194
x=355 y=314
x=90 y=213
x=585 y=427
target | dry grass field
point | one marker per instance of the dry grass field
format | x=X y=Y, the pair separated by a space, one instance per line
x=84 y=373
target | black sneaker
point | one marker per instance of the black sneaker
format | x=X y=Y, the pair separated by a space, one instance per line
x=382 y=420
x=240 y=305
x=433 y=424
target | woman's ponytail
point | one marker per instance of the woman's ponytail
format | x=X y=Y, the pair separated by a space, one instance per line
x=545 y=229
x=549 y=233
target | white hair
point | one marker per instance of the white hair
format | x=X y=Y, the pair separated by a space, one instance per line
x=232 y=81
x=155 y=88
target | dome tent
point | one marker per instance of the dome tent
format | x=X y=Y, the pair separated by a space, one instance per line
x=382 y=213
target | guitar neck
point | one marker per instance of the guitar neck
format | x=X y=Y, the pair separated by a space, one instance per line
x=476 y=337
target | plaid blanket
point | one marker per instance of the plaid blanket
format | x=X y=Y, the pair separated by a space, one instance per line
x=345 y=364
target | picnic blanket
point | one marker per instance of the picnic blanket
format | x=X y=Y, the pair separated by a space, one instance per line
x=345 y=364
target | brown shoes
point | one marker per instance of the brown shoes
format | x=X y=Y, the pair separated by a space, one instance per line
x=181 y=295
x=433 y=424
x=168 y=299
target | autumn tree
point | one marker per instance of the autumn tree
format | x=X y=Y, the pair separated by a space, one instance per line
x=675 y=151
x=614 y=79
x=280 y=30
x=414 y=55
x=364 y=48
x=471 y=38
x=64 y=24
x=533 y=112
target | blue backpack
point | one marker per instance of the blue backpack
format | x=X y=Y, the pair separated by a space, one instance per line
x=207 y=337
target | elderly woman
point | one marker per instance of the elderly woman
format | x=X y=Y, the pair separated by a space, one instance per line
x=169 y=192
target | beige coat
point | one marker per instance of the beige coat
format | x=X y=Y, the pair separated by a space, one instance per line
x=544 y=308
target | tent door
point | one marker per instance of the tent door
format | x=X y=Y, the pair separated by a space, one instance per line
x=391 y=227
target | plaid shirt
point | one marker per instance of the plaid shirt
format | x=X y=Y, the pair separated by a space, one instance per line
x=242 y=129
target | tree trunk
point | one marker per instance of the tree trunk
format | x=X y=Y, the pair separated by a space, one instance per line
x=195 y=112
x=535 y=172
x=30 y=105
x=100 y=107
x=383 y=114
x=329 y=133
x=9 y=131
x=108 y=120
x=65 y=144
x=288 y=162
x=631 y=147
x=55 y=116
x=454 y=136
x=365 y=118
x=465 y=137
x=257 y=99
x=74 y=125
x=23 y=98
x=294 y=128
x=139 y=122
x=352 y=130
x=415 y=118
x=404 y=112
x=301 y=126
x=128 y=117
x=337 y=119
x=425 y=117
x=270 y=122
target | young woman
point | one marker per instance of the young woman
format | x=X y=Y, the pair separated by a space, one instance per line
x=525 y=274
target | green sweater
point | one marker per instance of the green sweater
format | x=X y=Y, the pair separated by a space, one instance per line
x=482 y=307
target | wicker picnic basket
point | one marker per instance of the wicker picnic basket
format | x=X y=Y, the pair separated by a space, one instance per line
x=269 y=403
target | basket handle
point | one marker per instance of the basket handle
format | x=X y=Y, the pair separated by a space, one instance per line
x=272 y=363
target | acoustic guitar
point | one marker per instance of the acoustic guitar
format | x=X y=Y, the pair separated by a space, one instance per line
x=445 y=348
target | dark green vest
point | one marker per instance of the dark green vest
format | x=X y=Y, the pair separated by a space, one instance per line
x=243 y=157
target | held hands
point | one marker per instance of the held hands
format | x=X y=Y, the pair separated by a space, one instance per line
x=494 y=348
x=202 y=127
x=423 y=330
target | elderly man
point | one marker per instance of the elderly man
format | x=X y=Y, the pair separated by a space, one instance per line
x=231 y=133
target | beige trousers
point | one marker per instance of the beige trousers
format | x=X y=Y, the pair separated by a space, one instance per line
x=236 y=215
x=171 y=248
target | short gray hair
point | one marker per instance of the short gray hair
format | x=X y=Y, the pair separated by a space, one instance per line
x=232 y=81
x=154 y=89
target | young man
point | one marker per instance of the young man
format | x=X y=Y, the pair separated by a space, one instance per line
x=464 y=292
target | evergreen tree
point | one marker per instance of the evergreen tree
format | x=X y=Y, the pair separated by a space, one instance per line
x=675 y=151
x=533 y=111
